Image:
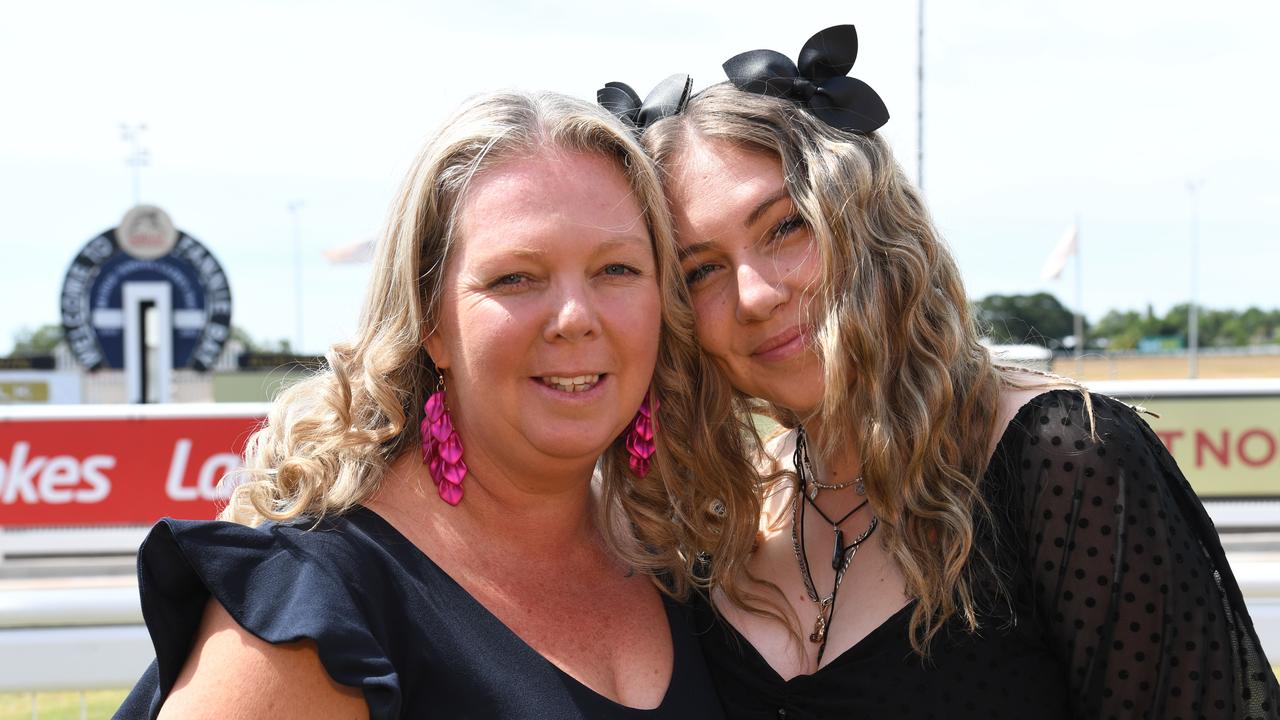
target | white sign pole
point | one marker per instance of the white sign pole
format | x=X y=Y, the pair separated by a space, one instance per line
x=141 y=336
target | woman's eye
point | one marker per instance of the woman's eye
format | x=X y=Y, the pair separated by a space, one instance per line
x=697 y=273
x=508 y=280
x=787 y=226
x=620 y=269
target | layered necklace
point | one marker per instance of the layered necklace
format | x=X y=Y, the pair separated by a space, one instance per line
x=842 y=553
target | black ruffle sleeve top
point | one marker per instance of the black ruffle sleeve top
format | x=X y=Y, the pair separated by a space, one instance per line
x=1121 y=603
x=384 y=618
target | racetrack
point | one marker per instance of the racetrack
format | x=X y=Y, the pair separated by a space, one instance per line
x=1097 y=366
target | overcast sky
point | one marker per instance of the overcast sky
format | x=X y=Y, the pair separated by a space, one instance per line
x=1036 y=114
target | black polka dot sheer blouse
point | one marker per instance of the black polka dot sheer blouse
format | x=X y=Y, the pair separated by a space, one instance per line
x=1119 y=601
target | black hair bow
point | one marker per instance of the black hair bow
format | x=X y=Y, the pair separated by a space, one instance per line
x=668 y=98
x=819 y=83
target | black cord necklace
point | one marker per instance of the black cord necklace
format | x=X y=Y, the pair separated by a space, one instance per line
x=842 y=555
x=838 y=548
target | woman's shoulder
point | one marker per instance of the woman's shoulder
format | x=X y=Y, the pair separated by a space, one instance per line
x=281 y=580
x=1065 y=417
x=1049 y=435
x=291 y=678
x=324 y=582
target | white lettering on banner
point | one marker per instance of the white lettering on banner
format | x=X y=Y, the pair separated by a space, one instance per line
x=59 y=476
x=19 y=475
x=53 y=480
x=211 y=471
x=177 y=468
x=99 y=484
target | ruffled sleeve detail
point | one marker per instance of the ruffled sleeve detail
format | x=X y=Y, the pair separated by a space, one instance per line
x=281 y=583
x=1132 y=585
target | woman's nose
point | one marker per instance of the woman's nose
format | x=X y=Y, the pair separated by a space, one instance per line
x=760 y=291
x=574 y=315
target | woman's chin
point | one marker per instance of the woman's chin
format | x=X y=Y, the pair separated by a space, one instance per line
x=572 y=446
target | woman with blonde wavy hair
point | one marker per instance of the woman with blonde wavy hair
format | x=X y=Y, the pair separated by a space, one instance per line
x=941 y=536
x=524 y=326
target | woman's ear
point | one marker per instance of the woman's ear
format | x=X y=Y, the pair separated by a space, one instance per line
x=436 y=350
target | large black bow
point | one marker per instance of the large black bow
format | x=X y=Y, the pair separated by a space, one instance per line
x=819 y=83
x=668 y=98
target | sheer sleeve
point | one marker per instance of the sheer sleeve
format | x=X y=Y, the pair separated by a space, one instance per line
x=1128 y=576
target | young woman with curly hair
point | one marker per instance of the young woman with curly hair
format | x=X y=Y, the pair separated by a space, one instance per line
x=939 y=536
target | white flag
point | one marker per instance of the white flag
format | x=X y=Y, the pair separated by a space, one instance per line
x=353 y=253
x=1057 y=259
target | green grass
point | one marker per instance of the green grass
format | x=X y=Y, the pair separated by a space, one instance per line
x=61 y=705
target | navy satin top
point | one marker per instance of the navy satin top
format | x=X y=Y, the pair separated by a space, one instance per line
x=384 y=618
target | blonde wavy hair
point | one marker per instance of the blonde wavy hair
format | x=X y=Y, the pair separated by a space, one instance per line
x=906 y=380
x=328 y=439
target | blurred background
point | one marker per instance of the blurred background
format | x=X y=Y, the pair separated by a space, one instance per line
x=1104 y=173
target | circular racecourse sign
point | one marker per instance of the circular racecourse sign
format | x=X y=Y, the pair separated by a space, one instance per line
x=145 y=248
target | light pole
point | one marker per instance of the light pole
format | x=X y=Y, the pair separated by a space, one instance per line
x=920 y=97
x=294 y=207
x=1193 y=312
x=138 y=155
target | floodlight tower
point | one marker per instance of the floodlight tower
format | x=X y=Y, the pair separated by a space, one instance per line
x=294 y=208
x=138 y=157
x=1193 y=312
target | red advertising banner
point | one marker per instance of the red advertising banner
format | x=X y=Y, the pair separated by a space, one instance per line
x=126 y=465
x=84 y=465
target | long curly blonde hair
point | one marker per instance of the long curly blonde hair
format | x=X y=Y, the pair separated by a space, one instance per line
x=907 y=382
x=329 y=438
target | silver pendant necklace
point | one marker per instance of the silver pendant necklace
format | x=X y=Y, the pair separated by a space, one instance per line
x=815 y=485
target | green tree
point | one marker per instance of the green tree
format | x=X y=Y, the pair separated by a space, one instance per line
x=1259 y=325
x=1121 y=330
x=40 y=341
x=1037 y=318
x=258 y=346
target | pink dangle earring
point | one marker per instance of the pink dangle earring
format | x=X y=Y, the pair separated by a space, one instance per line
x=441 y=447
x=640 y=444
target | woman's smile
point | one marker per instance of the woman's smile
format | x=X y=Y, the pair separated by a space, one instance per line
x=580 y=389
x=783 y=346
x=572 y=383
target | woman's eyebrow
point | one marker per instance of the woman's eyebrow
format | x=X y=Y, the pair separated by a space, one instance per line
x=693 y=249
x=754 y=215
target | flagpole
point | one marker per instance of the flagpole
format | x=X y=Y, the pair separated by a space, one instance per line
x=1193 y=312
x=1079 y=316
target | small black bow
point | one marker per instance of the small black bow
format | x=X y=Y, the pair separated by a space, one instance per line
x=820 y=82
x=668 y=98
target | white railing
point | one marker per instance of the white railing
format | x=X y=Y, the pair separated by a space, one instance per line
x=56 y=636
x=21 y=542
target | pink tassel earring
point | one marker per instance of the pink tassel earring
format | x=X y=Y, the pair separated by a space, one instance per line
x=640 y=444
x=441 y=448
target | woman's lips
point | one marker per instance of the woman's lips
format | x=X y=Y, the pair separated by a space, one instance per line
x=783 y=346
x=578 y=387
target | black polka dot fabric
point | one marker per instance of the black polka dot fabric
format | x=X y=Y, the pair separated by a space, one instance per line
x=1122 y=604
